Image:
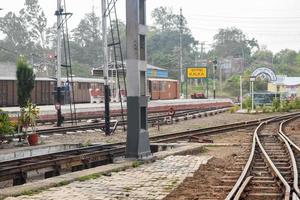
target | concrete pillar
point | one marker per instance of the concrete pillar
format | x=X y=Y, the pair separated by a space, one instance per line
x=138 y=145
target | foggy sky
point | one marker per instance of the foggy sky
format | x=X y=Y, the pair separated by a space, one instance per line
x=274 y=23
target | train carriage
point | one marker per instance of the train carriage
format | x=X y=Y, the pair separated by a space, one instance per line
x=163 y=88
x=42 y=94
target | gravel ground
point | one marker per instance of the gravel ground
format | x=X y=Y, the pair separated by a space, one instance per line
x=119 y=136
x=293 y=131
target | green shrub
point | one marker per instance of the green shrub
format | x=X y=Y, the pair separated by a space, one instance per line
x=276 y=104
x=234 y=109
x=25 y=81
x=6 y=127
x=247 y=103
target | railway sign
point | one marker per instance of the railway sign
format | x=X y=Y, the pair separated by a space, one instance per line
x=196 y=72
x=265 y=73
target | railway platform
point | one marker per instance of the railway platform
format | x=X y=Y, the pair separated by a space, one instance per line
x=48 y=112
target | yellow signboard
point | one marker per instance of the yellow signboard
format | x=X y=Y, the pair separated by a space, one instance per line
x=196 y=72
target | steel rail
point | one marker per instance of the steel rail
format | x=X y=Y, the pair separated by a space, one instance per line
x=290 y=144
x=239 y=186
x=287 y=192
x=241 y=189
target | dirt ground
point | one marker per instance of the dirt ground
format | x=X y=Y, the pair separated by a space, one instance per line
x=207 y=177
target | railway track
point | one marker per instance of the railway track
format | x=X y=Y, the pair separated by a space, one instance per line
x=270 y=169
x=152 y=120
x=19 y=171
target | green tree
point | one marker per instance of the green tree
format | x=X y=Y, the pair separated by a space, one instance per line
x=24 y=33
x=25 y=81
x=285 y=62
x=262 y=58
x=232 y=42
x=15 y=34
x=163 y=41
x=35 y=21
x=86 y=43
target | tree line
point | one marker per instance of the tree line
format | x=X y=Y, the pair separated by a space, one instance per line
x=28 y=33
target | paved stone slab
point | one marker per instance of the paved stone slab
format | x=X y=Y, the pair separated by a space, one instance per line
x=149 y=181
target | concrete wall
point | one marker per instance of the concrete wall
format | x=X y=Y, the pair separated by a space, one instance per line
x=34 y=151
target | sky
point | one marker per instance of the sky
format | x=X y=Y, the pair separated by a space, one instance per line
x=274 y=23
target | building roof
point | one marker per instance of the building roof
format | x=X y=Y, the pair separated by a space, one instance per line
x=162 y=79
x=111 y=65
x=154 y=67
x=287 y=81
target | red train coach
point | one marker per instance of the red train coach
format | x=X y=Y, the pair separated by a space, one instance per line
x=42 y=93
x=160 y=88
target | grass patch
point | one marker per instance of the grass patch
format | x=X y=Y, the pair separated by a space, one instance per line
x=174 y=182
x=89 y=177
x=62 y=183
x=127 y=189
x=137 y=163
x=203 y=150
x=31 y=192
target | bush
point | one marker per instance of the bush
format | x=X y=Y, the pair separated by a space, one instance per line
x=234 y=109
x=276 y=104
x=6 y=126
x=247 y=103
x=25 y=81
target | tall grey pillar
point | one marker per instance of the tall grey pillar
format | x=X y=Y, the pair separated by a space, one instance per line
x=138 y=145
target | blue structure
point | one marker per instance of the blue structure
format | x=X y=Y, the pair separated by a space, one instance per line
x=156 y=72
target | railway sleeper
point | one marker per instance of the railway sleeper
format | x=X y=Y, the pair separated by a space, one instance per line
x=233 y=172
x=264 y=188
x=258 y=182
x=264 y=195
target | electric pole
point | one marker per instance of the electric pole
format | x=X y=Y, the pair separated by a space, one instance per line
x=105 y=70
x=58 y=13
x=181 y=78
x=220 y=77
x=215 y=62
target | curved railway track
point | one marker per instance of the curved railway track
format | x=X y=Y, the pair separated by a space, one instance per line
x=270 y=171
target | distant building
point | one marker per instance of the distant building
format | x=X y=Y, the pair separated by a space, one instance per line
x=152 y=71
x=290 y=86
x=156 y=72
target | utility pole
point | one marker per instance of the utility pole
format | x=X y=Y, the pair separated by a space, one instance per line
x=220 y=77
x=58 y=13
x=105 y=70
x=215 y=62
x=241 y=93
x=181 y=78
x=202 y=49
x=137 y=143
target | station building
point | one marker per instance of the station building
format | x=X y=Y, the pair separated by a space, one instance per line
x=289 y=86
